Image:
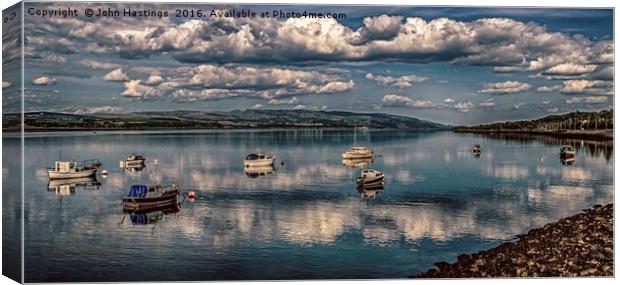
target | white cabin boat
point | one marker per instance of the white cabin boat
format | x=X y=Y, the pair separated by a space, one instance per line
x=65 y=169
x=132 y=160
x=255 y=160
x=358 y=152
x=370 y=177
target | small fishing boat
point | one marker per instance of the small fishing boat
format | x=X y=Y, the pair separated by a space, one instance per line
x=255 y=160
x=142 y=197
x=358 y=152
x=66 y=169
x=257 y=171
x=476 y=149
x=567 y=151
x=370 y=178
x=132 y=161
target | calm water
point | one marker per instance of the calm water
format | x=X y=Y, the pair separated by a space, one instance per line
x=306 y=219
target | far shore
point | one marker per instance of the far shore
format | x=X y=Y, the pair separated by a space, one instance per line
x=567 y=134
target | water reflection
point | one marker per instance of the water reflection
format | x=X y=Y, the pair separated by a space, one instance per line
x=440 y=201
x=151 y=215
x=258 y=171
x=369 y=191
x=64 y=187
x=567 y=161
x=357 y=163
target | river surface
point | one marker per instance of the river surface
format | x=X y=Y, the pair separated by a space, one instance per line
x=305 y=219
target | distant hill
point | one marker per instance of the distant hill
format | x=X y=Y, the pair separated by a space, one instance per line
x=238 y=119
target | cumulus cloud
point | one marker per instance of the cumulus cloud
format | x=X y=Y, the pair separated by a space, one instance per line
x=551 y=88
x=598 y=87
x=116 y=75
x=256 y=106
x=134 y=88
x=464 y=107
x=94 y=64
x=487 y=103
x=403 y=101
x=54 y=58
x=570 y=69
x=587 y=100
x=43 y=80
x=210 y=82
x=299 y=107
x=507 y=87
x=507 y=44
x=402 y=82
x=448 y=100
x=154 y=80
x=100 y=109
x=290 y=101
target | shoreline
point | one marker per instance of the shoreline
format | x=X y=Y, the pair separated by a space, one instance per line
x=567 y=134
x=579 y=245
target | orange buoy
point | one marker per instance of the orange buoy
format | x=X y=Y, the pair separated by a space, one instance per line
x=191 y=194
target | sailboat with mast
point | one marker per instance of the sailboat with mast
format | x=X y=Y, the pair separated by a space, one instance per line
x=357 y=152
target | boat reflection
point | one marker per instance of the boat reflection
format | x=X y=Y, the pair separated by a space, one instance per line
x=567 y=161
x=134 y=168
x=357 y=163
x=64 y=187
x=258 y=171
x=369 y=191
x=152 y=215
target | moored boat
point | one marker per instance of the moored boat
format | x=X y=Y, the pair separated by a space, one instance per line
x=255 y=160
x=358 y=152
x=567 y=151
x=142 y=197
x=476 y=149
x=66 y=169
x=370 y=178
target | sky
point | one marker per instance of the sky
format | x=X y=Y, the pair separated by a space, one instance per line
x=445 y=64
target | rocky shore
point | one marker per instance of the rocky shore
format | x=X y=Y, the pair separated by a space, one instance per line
x=581 y=245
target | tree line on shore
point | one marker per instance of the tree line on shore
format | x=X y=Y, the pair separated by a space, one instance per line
x=601 y=120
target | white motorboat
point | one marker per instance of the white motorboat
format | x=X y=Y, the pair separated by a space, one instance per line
x=65 y=169
x=132 y=160
x=370 y=178
x=255 y=160
x=358 y=152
